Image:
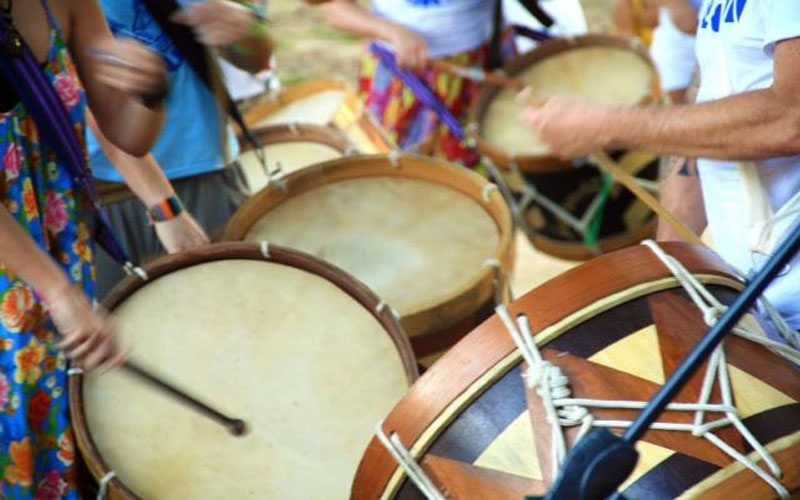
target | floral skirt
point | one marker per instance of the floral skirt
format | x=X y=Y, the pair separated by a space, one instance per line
x=409 y=124
x=37 y=452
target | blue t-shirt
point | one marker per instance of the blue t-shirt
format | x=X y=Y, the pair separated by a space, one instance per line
x=191 y=140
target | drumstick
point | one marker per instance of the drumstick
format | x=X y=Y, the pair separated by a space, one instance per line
x=620 y=175
x=477 y=74
x=235 y=426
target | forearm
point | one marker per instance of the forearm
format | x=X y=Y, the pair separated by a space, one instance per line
x=681 y=194
x=142 y=174
x=20 y=254
x=351 y=17
x=129 y=125
x=751 y=126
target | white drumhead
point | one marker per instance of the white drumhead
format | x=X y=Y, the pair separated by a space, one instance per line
x=289 y=156
x=318 y=109
x=603 y=75
x=414 y=243
x=303 y=363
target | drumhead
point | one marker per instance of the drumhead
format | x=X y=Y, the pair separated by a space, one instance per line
x=314 y=103
x=597 y=68
x=419 y=235
x=287 y=343
x=288 y=148
x=618 y=328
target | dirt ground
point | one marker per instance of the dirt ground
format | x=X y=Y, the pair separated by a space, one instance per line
x=307 y=49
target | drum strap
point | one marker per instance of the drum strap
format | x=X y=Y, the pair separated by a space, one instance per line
x=203 y=64
x=24 y=74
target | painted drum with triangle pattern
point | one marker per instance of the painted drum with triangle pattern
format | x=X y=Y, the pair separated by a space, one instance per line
x=617 y=327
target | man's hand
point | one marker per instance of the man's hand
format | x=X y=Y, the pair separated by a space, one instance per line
x=570 y=128
x=218 y=23
x=128 y=65
x=181 y=233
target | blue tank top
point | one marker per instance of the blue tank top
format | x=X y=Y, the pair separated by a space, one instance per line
x=190 y=142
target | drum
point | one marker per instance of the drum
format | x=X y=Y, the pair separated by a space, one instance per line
x=431 y=239
x=616 y=328
x=570 y=209
x=287 y=148
x=296 y=348
x=324 y=103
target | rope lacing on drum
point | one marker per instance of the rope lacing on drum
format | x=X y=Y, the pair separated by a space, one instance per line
x=394 y=158
x=383 y=305
x=502 y=287
x=488 y=189
x=552 y=386
x=409 y=465
x=134 y=270
x=102 y=485
x=265 y=250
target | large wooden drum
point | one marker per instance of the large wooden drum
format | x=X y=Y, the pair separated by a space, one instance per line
x=323 y=103
x=569 y=209
x=617 y=327
x=288 y=343
x=287 y=148
x=431 y=239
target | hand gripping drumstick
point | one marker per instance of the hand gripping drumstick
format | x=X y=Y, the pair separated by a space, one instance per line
x=235 y=426
x=620 y=175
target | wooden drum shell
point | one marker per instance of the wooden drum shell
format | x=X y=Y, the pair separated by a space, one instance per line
x=437 y=326
x=89 y=450
x=488 y=356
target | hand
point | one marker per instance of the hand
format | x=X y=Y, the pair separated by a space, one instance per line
x=410 y=49
x=569 y=128
x=129 y=66
x=87 y=334
x=218 y=23
x=181 y=233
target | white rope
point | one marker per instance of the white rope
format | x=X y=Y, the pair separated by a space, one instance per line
x=74 y=371
x=265 y=250
x=502 y=287
x=488 y=189
x=562 y=410
x=410 y=466
x=293 y=128
x=394 y=158
x=133 y=270
x=382 y=305
x=102 y=489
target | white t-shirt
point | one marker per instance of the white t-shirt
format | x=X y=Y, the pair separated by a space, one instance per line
x=741 y=35
x=568 y=17
x=449 y=26
x=673 y=53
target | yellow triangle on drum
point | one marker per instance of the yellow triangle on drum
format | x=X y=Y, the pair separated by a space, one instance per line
x=650 y=455
x=637 y=354
x=513 y=451
x=753 y=396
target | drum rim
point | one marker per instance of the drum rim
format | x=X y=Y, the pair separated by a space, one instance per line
x=415 y=417
x=270 y=135
x=577 y=251
x=167 y=264
x=291 y=94
x=548 y=162
x=468 y=183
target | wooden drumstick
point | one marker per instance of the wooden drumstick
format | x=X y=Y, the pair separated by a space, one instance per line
x=620 y=175
x=235 y=426
x=477 y=74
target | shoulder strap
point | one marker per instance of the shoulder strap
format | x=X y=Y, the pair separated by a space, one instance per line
x=23 y=73
x=198 y=57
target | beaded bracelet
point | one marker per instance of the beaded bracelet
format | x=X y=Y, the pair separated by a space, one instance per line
x=165 y=210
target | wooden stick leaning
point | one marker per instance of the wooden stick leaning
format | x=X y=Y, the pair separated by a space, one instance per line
x=235 y=426
x=477 y=74
x=627 y=180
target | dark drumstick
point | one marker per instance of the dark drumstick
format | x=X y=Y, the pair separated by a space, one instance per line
x=235 y=426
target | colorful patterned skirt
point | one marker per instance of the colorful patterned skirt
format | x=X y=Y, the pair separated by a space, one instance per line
x=412 y=126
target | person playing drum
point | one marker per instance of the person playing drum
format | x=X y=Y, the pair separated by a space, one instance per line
x=195 y=147
x=417 y=32
x=745 y=128
x=46 y=252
